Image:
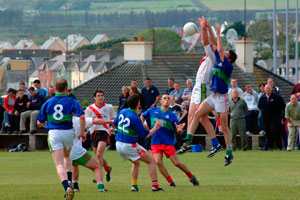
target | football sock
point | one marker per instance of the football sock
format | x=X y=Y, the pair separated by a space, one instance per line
x=229 y=151
x=107 y=168
x=155 y=184
x=75 y=183
x=65 y=184
x=134 y=183
x=214 y=142
x=100 y=185
x=189 y=136
x=169 y=179
x=190 y=175
x=69 y=176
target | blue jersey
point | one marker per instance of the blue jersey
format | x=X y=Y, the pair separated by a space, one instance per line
x=221 y=74
x=166 y=133
x=130 y=126
x=58 y=112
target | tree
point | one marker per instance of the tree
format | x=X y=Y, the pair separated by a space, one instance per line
x=261 y=32
x=239 y=27
x=166 y=41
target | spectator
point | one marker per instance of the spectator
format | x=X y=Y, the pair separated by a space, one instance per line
x=275 y=89
x=296 y=90
x=271 y=106
x=34 y=105
x=184 y=114
x=134 y=84
x=292 y=114
x=9 y=104
x=24 y=89
x=39 y=89
x=151 y=94
x=177 y=93
x=70 y=94
x=238 y=109
x=171 y=85
x=20 y=106
x=233 y=83
x=134 y=90
x=251 y=99
x=259 y=118
x=176 y=108
x=51 y=93
x=187 y=92
x=123 y=98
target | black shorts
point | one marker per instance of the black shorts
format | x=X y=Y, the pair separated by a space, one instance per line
x=99 y=136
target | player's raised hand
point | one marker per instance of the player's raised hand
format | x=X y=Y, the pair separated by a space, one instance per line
x=199 y=20
x=180 y=126
x=218 y=29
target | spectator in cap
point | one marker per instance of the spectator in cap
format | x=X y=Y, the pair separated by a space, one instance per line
x=9 y=104
x=70 y=94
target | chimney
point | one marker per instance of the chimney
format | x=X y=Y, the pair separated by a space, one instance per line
x=244 y=50
x=138 y=50
x=74 y=38
x=50 y=37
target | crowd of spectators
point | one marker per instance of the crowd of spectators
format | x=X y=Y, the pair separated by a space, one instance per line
x=21 y=107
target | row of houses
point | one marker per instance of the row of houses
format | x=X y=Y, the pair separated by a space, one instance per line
x=73 y=42
x=49 y=66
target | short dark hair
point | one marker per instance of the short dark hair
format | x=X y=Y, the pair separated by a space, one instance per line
x=61 y=85
x=31 y=89
x=133 y=101
x=37 y=81
x=20 y=90
x=22 y=83
x=148 y=79
x=133 y=80
x=98 y=91
x=261 y=85
x=232 y=56
x=171 y=78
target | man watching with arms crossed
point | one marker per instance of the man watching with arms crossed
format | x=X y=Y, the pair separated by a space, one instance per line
x=130 y=128
x=58 y=112
x=102 y=115
x=217 y=99
x=163 y=139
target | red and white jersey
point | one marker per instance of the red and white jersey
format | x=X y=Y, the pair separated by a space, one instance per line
x=106 y=111
x=204 y=74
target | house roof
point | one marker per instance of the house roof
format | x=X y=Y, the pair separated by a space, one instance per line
x=24 y=44
x=6 y=45
x=49 y=42
x=163 y=66
x=56 y=62
x=97 y=38
x=16 y=75
x=73 y=41
x=85 y=64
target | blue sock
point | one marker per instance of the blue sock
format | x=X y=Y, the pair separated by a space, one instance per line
x=65 y=184
x=214 y=142
x=69 y=176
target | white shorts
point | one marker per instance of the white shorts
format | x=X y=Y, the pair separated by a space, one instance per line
x=218 y=101
x=129 y=151
x=200 y=93
x=59 y=139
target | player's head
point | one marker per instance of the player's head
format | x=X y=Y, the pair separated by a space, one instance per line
x=231 y=56
x=165 y=100
x=61 y=85
x=133 y=101
x=99 y=96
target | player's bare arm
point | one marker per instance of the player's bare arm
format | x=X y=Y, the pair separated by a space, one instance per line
x=219 y=43
x=212 y=40
x=156 y=126
x=179 y=127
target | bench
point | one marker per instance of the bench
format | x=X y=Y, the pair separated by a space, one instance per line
x=254 y=141
x=35 y=141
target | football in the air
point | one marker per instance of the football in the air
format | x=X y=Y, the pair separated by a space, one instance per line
x=190 y=28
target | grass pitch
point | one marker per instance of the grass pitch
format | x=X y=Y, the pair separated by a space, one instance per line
x=252 y=175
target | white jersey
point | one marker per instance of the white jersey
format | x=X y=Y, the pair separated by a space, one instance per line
x=107 y=112
x=77 y=150
x=204 y=74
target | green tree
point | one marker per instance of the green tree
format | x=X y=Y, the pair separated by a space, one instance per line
x=165 y=40
x=239 y=27
x=261 y=32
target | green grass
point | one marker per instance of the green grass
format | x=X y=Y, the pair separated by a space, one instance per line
x=252 y=175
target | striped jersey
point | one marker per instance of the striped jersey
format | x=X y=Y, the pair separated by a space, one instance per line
x=106 y=111
x=130 y=126
x=221 y=75
x=166 y=133
x=58 y=112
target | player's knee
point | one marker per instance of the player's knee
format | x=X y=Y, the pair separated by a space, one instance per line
x=158 y=162
x=176 y=163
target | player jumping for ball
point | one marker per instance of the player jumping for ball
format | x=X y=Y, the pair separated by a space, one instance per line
x=130 y=128
x=58 y=112
x=163 y=139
